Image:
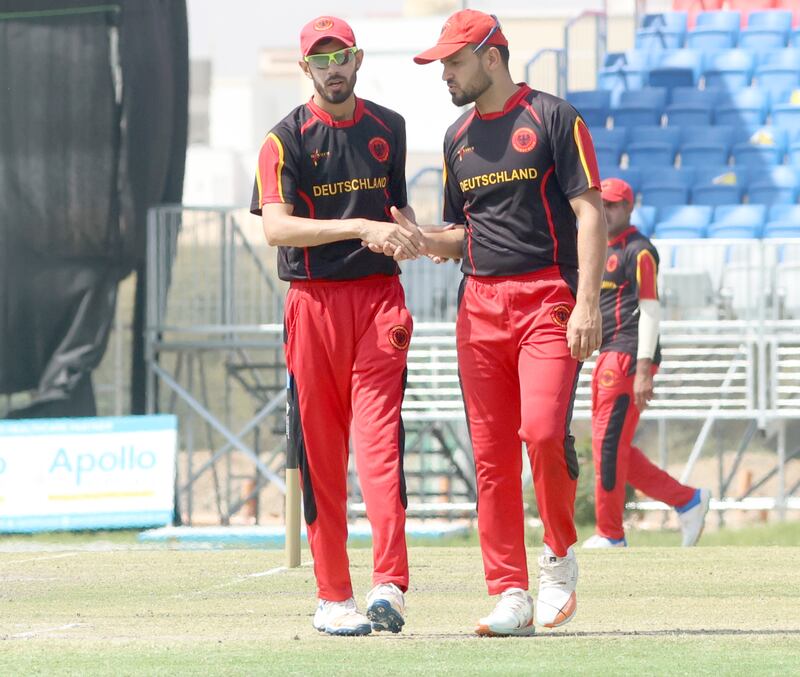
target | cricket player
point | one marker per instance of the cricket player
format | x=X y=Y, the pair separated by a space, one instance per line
x=520 y=171
x=622 y=380
x=328 y=174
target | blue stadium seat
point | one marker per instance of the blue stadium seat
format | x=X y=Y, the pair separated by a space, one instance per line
x=677 y=68
x=691 y=106
x=714 y=30
x=781 y=229
x=694 y=216
x=764 y=147
x=766 y=29
x=738 y=221
x=786 y=116
x=633 y=175
x=731 y=232
x=608 y=144
x=642 y=107
x=644 y=217
x=718 y=185
x=744 y=108
x=624 y=71
x=784 y=221
x=787 y=58
x=666 y=30
x=676 y=232
x=652 y=146
x=705 y=145
x=777 y=79
x=730 y=69
x=666 y=186
x=775 y=185
x=794 y=38
x=593 y=105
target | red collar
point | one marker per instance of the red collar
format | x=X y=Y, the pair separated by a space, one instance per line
x=325 y=117
x=512 y=102
x=624 y=234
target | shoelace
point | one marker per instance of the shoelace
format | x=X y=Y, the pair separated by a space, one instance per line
x=515 y=601
x=552 y=571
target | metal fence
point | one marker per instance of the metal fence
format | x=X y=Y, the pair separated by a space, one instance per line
x=214 y=348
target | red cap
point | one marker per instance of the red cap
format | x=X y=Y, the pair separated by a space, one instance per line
x=614 y=190
x=322 y=28
x=463 y=28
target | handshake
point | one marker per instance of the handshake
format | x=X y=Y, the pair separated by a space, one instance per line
x=402 y=240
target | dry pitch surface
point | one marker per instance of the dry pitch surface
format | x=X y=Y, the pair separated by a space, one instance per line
x=653 y=611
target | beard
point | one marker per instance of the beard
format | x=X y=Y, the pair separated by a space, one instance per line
x=340 y=96
x=472 y=91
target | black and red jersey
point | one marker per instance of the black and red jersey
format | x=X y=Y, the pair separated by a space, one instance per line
x=509 y=177
x=630 y=276
x=328 y=169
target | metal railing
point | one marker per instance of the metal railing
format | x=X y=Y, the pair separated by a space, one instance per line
x=215 y=357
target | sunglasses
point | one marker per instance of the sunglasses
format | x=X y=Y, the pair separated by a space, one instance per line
x=494 y=30
x=323 y=61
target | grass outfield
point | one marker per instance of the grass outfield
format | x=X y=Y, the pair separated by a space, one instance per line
x=649 y=610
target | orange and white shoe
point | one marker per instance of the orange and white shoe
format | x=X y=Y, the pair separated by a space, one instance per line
x=512 y=616
x=556 y=603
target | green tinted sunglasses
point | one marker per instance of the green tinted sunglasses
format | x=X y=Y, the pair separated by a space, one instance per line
x=323 y=61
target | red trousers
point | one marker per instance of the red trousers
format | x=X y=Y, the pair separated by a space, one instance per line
x=346 y=345
x=519 y=385
x=616 y=460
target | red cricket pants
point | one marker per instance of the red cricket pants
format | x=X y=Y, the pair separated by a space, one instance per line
x=519 y=381
x=346 y=345
x=616 y=461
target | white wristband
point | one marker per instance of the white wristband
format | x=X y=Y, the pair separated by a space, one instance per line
x=649 y=319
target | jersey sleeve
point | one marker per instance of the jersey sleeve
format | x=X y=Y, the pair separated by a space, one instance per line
x=642 y=271
x=453 y=197
x=573 y=151
x=276 y=174
x=397 y=173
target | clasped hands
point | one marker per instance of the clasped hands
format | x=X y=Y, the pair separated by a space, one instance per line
x=402 y=240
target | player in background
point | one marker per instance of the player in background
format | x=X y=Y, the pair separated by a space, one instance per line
x=327 y=176
x=622 y=380
x=520 y=171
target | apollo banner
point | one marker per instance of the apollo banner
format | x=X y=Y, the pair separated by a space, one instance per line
x=87 y=473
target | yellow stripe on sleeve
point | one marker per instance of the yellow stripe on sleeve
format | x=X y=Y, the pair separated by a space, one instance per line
x=278 y=143
x=577 y=133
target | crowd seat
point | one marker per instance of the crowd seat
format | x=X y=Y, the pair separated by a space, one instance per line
x=737 y=220
x=594 y=105
x=766 y=29
x=706 y=145
x=665 y=30
x=640 y=107
x=729 y=69
x=714 y=30
x=765 y=146
x=692 y=106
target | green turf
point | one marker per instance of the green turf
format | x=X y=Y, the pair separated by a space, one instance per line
x=713 y=610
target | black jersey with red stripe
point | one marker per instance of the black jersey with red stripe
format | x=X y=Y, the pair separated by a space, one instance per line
x=328 y=169
x=630 y=275
x=509 y=177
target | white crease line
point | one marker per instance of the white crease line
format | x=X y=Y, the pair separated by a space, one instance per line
x=33 y=633
x=276 y=570
x=239 y=579
x=41 y=559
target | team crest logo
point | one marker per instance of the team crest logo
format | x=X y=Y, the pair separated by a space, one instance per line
x=318 y=155
x=399 y=337
x=524 y=140
x=323 y=24
x=612 y=263
x=608 y=378
x=379 y=147
x=560 y=314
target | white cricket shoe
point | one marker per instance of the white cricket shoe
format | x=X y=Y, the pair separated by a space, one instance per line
x=558 y=576
x=513 y=615
x=692 y=516
x=598 y=541
x=386 y=606
x=341 y=618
